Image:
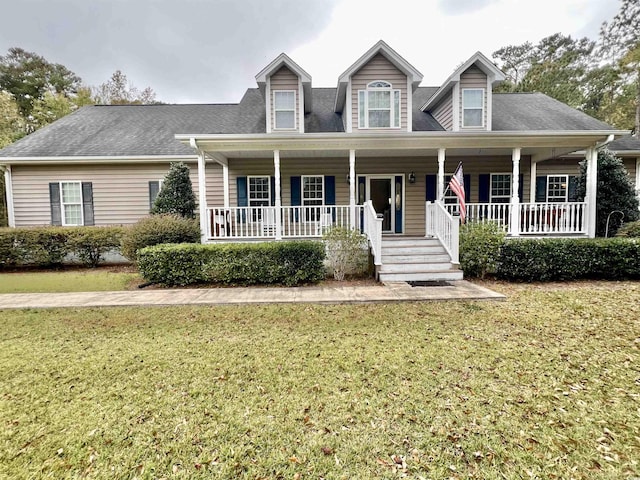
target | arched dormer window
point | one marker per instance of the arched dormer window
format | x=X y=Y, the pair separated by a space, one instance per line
x=379 y=106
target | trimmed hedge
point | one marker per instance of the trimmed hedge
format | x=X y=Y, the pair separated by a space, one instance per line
x=569 y=259
x=285 y=263
x=49 y=246
x=480 y=244
x=157 y=229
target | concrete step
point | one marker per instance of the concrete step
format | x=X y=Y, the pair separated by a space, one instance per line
x=409 y=242
x=424 y=276
x=401 y=257
x=413 y=250
x=414 y=267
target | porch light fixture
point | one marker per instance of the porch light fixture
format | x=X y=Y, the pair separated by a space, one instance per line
x=348 y=178
x=412 y=177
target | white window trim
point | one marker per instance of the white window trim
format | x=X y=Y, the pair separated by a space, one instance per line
x=482 y=114
x=62 y=205
x=302 y=199
x=491 y=195
x=276 y=110
x=249 y=199
x=392 y=112
x=566 y=193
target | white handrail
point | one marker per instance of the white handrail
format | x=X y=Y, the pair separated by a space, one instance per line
x=443 y=226
x=373 y=231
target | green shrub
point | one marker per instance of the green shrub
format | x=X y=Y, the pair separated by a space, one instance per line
x=569 y=259
x=157 y=229
x=286 y=263
x=48 y=247
x=631 y=229
x=176 y=195
x=480 y=245
x=346 y=251
x=90 y=244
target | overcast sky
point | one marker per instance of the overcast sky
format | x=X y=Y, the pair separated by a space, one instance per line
x=209 y=51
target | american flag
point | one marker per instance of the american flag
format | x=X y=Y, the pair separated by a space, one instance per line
x=456 y=184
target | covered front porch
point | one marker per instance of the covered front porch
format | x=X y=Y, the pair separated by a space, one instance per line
x=275 y=187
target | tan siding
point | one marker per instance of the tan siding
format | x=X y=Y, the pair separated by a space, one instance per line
x=284 y=79
x=559 y=167
x=473 y=77
x=443 y=112
x=120 y=192
x=379 y=68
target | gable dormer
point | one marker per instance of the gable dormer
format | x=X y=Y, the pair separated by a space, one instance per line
x=376 y=92
x=463 y=102
x=287 y=94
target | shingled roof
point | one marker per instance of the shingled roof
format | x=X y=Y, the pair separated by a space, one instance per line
x=147 y=130
x=625 y=144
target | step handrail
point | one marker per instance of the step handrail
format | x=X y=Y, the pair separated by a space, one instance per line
x=445 y=227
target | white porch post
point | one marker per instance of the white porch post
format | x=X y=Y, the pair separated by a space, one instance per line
x=514 y=218
x=8 y=191
x=202 y=198
x=278 y=203
x=532 y=183
x=591 y=190
x=225 y=184
x=440 y=186
x=352 y=187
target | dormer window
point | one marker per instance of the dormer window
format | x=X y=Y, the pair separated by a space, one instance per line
x=473 y=107
x=379 y=106
x=284 y=106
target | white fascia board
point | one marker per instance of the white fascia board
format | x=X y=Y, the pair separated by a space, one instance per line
x=279 y=61
x=97 y=159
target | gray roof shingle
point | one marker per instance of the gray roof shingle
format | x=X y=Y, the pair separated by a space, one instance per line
x=629 y=144
x=132 y=130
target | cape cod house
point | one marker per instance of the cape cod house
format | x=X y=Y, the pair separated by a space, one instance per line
x=373 y=153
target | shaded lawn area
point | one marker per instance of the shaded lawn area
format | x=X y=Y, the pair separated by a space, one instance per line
x=75 y=280
x=544 y=385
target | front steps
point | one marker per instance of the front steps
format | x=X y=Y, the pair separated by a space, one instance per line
x=406 y=259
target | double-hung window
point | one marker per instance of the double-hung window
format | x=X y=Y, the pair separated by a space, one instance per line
x=312 y=195
x=259 y=195
x=379 y=106
x=71 y=203
x=557 y=188
x=284 y=108
x=473 y=107
x=500 y=188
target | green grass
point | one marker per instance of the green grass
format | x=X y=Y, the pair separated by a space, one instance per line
x=544 y=385
x=89 y=280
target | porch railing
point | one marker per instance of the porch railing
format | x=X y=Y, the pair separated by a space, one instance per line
x=533 y=218
x=372 y=226
x=445 y=227
x=250 y=223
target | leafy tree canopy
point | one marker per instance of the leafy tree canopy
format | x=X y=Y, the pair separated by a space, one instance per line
x=119 y=91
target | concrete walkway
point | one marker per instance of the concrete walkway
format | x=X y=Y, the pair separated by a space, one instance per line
x=390 y=292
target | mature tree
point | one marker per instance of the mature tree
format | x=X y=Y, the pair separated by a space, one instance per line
x=11 y=122
x=27 y=76
x=616 y=193
x=49 y=108
x=620 y=43
x=119 y=91
x=176 y=195
x=556 y=66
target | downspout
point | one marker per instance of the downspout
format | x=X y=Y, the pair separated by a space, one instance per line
x=607 y=141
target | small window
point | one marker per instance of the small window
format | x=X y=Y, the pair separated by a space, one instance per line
x=259 y=191
x=500 y=188
x=71 y=202
x=473 y=107
x=284 y=107
x=379 y=106
x=557 y=188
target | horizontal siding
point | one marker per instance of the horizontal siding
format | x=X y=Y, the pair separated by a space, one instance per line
x=379 y=68
x=284 y=79
x=120 y=192
x=473 y=77
x=443 y=112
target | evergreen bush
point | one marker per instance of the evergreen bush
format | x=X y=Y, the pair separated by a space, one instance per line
x=176 y=195
x=480 y=245
x=157 y=229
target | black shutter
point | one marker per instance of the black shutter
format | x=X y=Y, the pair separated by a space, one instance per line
x=87 y=203
x=54 y=201
x=430 y=192
x=272 y=186
x=296 y=196
x=573 y=188
x=521 y=188
x=154 y=189
x=541 y=188
x=330 y=190
x=484 y=187
x=241 y=183
x=467 y=188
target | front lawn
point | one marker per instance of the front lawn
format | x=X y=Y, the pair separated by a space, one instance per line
x=544 y=385
x=74 y=280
